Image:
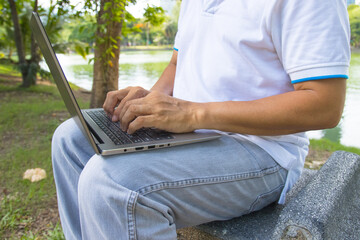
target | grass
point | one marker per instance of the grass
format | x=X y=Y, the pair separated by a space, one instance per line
x=327 y=145
x=9 y=69
x=28 y=118
x=321 y=150
x=14 y=217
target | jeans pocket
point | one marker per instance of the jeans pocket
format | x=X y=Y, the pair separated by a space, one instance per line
x=265 y=199
x=211 y=6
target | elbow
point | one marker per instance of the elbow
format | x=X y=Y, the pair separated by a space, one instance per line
x=335 y=120
x=331 y=119
x=331 y=123
x=325 y=101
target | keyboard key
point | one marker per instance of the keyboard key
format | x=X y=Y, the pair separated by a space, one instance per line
x=113 y=131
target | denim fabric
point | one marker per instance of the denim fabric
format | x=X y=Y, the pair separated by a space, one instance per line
x=148 y=195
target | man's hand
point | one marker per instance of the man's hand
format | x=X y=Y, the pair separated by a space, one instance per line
x=119 y=98
x=157 y=110
x=135 y=108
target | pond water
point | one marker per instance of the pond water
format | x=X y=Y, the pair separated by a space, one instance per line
x=137 y=68
x=143 y=68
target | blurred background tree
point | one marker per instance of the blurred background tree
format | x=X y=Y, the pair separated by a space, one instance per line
x=15 y=33
x=101 y=27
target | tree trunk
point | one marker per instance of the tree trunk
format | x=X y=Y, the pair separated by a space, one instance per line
x=33 y=67
x=18 y=41
x=107 y=51
x=147 y=34
x=10 y=53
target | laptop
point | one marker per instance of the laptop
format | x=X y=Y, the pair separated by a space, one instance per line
x=105 y=136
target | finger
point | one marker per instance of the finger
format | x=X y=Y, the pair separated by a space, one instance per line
x=134 y=93
x=132 y=113
x=141 y=122
x=123 y=105
x=109 y=102
x=121 y=112
x=113 y=98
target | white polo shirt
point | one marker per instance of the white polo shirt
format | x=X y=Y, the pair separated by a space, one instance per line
x=240 y=50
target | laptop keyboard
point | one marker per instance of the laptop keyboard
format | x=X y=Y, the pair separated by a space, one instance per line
x=119 y=137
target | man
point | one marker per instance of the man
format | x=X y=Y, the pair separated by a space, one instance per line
x=258 y=72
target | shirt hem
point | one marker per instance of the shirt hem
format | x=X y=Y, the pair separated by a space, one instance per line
x=319 y=72
x=320 y=78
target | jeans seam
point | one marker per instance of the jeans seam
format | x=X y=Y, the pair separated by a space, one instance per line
x=131 y=215
x=264 y=194
x=205 y=181
x=251 y=153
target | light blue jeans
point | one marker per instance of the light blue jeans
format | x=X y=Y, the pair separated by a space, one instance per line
x=148 y=195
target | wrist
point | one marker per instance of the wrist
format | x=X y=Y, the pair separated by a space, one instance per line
x=198 y=116
x=164 y=90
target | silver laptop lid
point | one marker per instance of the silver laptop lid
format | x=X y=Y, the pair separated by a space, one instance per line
x=59 y=77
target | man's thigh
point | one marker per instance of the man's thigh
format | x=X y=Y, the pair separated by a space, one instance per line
x=202 y=182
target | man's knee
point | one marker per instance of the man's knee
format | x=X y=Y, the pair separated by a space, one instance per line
x=64 y=132
x=69 y=144
x=96 y=186
x=89 y=181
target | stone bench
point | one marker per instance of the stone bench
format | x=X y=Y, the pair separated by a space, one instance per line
x=324 y=204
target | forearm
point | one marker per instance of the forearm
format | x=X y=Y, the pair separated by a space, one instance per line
x=165 y=84
x=263 y=117
x=313 y=105
x=286 y=113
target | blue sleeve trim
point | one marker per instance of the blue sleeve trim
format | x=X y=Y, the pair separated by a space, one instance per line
x=176 y=49
x=319 y=78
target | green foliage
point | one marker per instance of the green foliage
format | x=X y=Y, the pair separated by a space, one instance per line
x=156 y=28
x=8 y=69
x=327 y=145
x=54 y=233
x=82 y=30
x=154 y=15
x=12 y=214
x=354 y=17
x=74 y=29
x=81 y=48
x=53 y=17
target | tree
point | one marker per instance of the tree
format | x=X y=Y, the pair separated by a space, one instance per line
x=82 y=30
x=154 y=16
x=18 y=41
x=28 y=68
x=19 y=12
x=107 y=50
x=162 y=32
x=110 y=19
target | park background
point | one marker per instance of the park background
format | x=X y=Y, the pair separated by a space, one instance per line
x=29 y=113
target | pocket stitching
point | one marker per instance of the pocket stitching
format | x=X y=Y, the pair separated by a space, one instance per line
x=261 y=196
